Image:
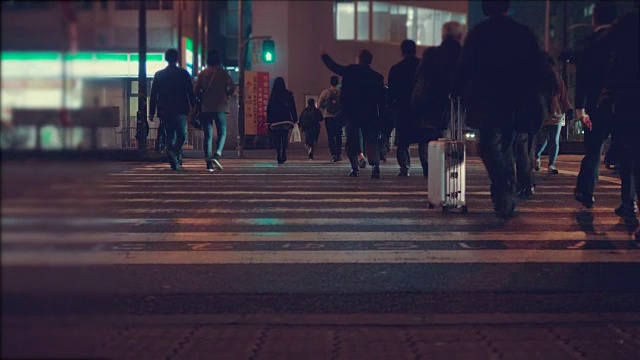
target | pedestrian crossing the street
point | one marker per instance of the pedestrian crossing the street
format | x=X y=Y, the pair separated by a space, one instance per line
x=255 y=212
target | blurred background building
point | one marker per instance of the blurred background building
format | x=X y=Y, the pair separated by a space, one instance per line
x=92 y=48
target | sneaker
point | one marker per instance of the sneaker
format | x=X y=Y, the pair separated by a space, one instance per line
x=403 y=173
x=339 y=158
x=537 y=167
x=209 y=166
x=585 y=199
x=552 y=169
x=375 y=173
x=626 y=211
x=334 y=159
x=353 y=173
x=526 y=193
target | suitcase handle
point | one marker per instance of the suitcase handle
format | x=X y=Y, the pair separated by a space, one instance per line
x=455 y=125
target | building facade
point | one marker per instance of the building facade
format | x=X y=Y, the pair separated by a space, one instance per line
x=342 y=28
x=81 y=54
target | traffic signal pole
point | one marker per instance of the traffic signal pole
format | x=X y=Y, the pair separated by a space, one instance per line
x=241 y=57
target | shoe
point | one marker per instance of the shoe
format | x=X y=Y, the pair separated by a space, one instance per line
x=552 y=169
x=362 y=162
x=209 y=166
x=375 y=173
x=585 y=199
x=334 y=159
x=505 y=208
x=403 y=173
x=626 y=211
x=526 y=193
x=216 y=162
x=339 y=158
x=353 y=173
x=537 y=167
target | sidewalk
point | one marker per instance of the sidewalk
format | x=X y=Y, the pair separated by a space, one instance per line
x=357 y=336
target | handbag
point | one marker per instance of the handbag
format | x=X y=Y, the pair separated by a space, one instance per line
x=295 y=134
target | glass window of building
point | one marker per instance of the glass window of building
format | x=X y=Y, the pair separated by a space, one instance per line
x=345 y=20
x=382 y=21
x=391 y=22
x=363 y=20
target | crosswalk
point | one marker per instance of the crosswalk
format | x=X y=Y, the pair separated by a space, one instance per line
x=307 y=212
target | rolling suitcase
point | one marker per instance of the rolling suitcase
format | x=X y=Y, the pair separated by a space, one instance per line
x=447 y=158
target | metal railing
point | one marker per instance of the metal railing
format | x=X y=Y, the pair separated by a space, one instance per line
x=125 y=138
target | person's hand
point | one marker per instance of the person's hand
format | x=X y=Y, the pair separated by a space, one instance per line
x=322 y=50
x=151 y=118
x=586 y=121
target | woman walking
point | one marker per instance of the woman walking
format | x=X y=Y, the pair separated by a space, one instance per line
x=310 y=122
x=281 y=116
x=555 y=120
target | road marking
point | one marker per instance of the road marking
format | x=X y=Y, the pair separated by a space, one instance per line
x=600 y=178
x=9 y=237
x=318 y=257
x=275 y=221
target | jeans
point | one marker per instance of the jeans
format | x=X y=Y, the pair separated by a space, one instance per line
x=549 y=134
x=496 y=147
x=176 y=129
x=368 y=131
x=280 y=139
x=334 y=134
x=523 y=148
x=593 y=140
x=208 y=119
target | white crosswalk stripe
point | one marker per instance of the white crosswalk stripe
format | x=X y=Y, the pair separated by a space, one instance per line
x=306 y=212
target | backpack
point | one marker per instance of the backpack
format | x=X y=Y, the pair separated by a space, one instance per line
x=332 y=103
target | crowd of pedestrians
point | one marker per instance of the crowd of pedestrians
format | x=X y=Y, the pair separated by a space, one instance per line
x=511 y=89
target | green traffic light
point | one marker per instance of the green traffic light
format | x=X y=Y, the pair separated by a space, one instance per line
x=268 y=51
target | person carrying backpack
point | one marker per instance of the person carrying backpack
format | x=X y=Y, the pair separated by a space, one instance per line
x=329 y=103
x=310 y=122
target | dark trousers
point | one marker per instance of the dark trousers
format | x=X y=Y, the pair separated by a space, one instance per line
x=176 y=130
x=280 y=140
x=629 y=155
x=161 y=139
x=334 y=134
x=311 y=138
x=370 y=132
x=593 y=141
x=524 y=148
x=423 y=138
x=496 y=147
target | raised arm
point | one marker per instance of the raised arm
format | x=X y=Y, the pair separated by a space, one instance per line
x=333 y=66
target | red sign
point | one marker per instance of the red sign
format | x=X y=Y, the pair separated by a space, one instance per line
x=262 y=101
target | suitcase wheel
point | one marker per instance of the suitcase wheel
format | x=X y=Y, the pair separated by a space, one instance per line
x=465 y=209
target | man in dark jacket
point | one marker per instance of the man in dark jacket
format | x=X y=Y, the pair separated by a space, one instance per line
x=622 y=93
x=434 y=80
x=172 y=95
x=402 y=77
x=361 y=97
x=498 y=80
x=590 y=76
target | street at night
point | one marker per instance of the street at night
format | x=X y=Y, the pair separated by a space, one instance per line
x=132 y=261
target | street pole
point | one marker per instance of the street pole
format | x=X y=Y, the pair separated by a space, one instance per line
x=142 y=127
x=240 y=82
x=547 y=25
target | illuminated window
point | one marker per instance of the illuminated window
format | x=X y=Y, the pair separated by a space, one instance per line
x=345 y=21
x=363 y=20
x=391 y=22
x=382 y=21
